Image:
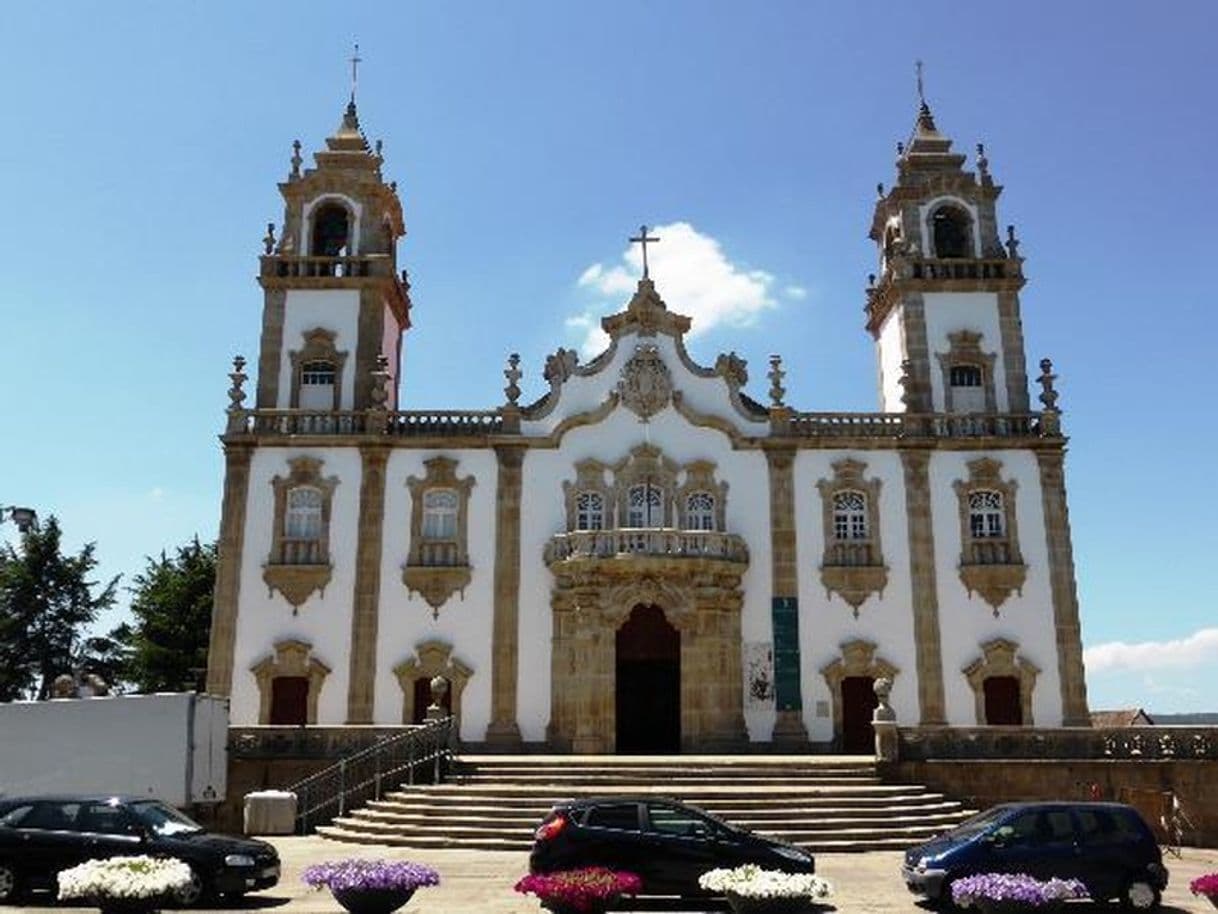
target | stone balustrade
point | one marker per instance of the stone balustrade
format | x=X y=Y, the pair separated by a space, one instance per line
x=402 y=424
x=1091 y=743
x=426 y=423
x=662 y=542
x=293 y=267
x=916 y=425
x=956 y=268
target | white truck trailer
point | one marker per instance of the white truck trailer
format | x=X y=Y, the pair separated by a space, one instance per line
x=171 y=746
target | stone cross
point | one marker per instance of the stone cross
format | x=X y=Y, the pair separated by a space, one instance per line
x=643 y=240
x=356 y=60
x=921 y=93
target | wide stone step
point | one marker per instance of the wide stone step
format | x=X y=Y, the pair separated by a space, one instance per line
x=563 y=791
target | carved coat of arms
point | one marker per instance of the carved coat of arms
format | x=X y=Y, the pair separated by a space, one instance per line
x=646 y=385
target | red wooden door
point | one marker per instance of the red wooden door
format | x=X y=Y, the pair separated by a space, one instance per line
x=290 y=700
x=1002 y=703
x=858 y=703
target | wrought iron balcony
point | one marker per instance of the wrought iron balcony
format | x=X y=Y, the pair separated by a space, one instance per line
x=653 y=542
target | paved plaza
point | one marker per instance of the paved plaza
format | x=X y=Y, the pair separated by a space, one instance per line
x=480 y=882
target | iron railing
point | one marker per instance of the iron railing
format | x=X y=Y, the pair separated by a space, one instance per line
x=362 y=776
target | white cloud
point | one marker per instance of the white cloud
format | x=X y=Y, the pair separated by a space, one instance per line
x=1198 y=648
x=795 y=293
x=157 y=494
x=692 y=275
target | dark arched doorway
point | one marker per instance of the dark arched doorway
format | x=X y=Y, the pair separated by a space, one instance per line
x=1003 y=706
x=648 y=683
x=858 y=703
x=422 y=699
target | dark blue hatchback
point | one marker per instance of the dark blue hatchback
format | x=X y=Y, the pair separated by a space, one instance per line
x=1105 y=845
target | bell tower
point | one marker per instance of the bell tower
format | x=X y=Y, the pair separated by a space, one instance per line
x=334 y=299
x=944 y=310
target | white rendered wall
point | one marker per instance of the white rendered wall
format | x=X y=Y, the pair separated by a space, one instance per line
x=891 y=353
x=965 y=622
x=463 y=622
x=949 y=312
x=826 y=623
x=333 y=309
x=543 y=514
x=323 y=620
x=391 y=338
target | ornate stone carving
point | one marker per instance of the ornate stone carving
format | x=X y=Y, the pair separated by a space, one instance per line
x=990 y=564
x=297 y=582
x=646 y=384
x=438 y=567
x=318 y=346
x=858 y=659
x=432 y=659
x=998 y=658
x=732 y=368
x=290 y=658
x=853 y=565
x=965 y=349
x=297 y=568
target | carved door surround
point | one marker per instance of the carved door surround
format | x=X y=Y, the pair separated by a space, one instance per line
x=432 y=658
x=999 y=657
x=290 y=658
x=858 y=659
x=592 y=598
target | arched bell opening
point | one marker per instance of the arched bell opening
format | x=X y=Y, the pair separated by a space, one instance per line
x=951 y=229
x=331 y=230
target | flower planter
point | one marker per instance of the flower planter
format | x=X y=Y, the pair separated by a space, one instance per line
x=130 y=905
x=592 y=890
x=372 y=901
x=1017 y=907
x=742 y=905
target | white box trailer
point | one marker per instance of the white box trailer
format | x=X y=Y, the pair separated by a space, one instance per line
x=171 y=746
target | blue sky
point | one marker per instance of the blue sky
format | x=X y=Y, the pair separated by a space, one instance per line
x=143 y=142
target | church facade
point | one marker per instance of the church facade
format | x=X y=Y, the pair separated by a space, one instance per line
x=647 y=558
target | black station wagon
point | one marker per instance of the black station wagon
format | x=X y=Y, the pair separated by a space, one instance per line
x=40 y=836
x=666 y=843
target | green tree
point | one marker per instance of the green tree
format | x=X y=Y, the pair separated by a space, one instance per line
x=165 y=645
x=47 y=603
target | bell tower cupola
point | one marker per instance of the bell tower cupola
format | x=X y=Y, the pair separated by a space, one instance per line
x=944 y=308
x=334 y=298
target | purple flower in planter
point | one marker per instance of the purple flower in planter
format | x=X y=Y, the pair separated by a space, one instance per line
x=1017 y=888
x=1205 y=885
x=586 y=889
x=354 y=874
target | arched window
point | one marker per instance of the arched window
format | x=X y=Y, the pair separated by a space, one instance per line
x=986 y=517
x=700 y=511
x=645 y=507
x=302 y=526
x=440 y=514
x=589 y=511
x=850 y=516
x=950 y=230
x=330 y=230
x=317 y=380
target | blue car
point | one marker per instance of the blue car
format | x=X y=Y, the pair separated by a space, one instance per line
x=1106 y=846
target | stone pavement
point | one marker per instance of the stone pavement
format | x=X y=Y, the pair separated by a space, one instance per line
x=480 y=882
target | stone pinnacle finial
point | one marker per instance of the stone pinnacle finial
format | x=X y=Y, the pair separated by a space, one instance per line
x=513 y=375
x=1012 y=243
x=879 y=190
x=906 y=383
x=776 y=374
x=379 y=394
x=983 y=164
x=1048 y=394
x=297 y=161
x=268 y=240
x=236 y=395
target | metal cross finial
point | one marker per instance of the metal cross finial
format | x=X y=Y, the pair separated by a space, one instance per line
x=921 y=93
x=643 y=239
x=356 y=60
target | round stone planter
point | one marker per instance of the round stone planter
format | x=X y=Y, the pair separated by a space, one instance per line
x=372 y=901
x=555 y=908
x=1017 y=907
x=130 y=905
x=742 y=905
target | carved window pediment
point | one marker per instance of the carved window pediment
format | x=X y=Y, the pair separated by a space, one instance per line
x=438 y=562
x=299 y=563
x=853 y=562
x=968 y=374
x=991 y=563
x=317 y=361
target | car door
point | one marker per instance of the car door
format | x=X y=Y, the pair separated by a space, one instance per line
x=1040 y=842
x=1101 y=865
x=611 y=836
x=681 y=846
x=107 y=830
x=48 y=834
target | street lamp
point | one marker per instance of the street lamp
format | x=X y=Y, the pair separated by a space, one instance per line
x=24 y=518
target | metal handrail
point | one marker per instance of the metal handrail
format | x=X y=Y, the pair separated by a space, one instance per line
x=357 y=778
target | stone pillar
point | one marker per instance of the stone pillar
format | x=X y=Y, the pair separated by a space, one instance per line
x=1063 y=588
x=503 y=731
x=925 y=603
x=917 y=351
x=365 y=605
x=789 y=729
x=228 y=568
x=588 y=738
x=1014 y=361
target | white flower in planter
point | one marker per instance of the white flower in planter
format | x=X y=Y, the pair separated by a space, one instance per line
x=751 y=881
x=124 y=877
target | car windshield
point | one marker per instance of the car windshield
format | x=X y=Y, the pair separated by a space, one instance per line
x=165 y=820
x=971 y=827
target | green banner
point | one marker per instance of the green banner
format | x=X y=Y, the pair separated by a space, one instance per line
x=785 y=612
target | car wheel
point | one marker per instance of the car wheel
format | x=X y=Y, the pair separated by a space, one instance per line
x=9 y=887
x=944 y=902
x=193 y=892
x=1140 y=895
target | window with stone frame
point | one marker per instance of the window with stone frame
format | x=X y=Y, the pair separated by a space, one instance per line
x=968 y=374
x=645 y=506
x=438 y=561
x=991 y=562
x=317 y=369
x=700 y=511
x=301 y=543
x=299 y=562
x=589 y=511
x=852 y=564
x=644 y=487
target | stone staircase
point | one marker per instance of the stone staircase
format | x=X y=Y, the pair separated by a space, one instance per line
x=822 y=803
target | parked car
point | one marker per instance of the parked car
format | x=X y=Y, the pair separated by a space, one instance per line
x=40 y=836
x=1107 y=846
x=668 y=844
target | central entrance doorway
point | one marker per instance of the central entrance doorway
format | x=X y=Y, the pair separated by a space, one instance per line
x=648 y=683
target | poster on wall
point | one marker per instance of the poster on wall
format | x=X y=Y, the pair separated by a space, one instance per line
x=759 y=676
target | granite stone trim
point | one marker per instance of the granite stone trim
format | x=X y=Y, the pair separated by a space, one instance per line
x=367 y=594
x=925 y=599
x=1014 y=359
x=432 y=658
x=1063 y=588
x=858 y=658
x=789 y=728
x=290 y=658
x=274 y=311
x=503 y=731
x=917 y=351
x=999 y=658
x=228 y=569
x=965 y=349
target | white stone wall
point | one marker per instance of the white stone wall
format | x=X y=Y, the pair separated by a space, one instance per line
x=890 y=352
x=949 y=312
x=324 y=619
x=332 y=309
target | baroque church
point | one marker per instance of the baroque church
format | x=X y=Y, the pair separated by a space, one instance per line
x=648 y=558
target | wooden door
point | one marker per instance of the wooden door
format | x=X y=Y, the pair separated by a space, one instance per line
x=648 y=699
x=858 y=703
x=290 y=700
x=1003 y=706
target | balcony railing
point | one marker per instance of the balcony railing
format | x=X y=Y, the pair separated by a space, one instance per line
x=293 y=267
x=425 y=423
x=964 y=268
x=850 y=555
x=404 y=424
x=989 y=552
x=914 y=425
x=671 y=543
x=301 y=552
